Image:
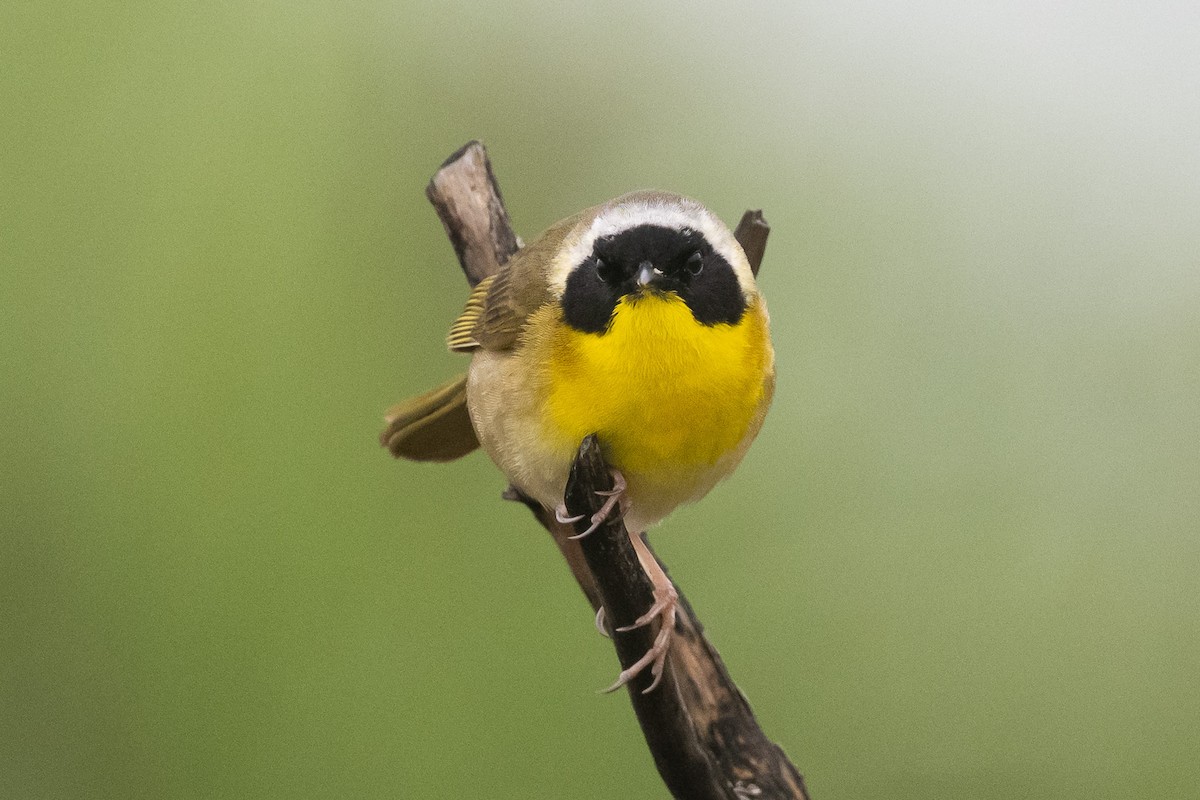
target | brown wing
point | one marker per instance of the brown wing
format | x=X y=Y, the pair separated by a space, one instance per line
x=432 y=427
x=498 y=307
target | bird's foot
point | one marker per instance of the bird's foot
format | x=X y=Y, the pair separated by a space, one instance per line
x=612 y=499
x=666 y=600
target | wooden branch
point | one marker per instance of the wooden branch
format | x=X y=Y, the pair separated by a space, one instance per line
x=698 y=726
x=467 y=199
x=751 y=234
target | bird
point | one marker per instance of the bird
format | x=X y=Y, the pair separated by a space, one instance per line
x=638 y=320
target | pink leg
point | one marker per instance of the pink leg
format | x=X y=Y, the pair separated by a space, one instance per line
x=665 y=601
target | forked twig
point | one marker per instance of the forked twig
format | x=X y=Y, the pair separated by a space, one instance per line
x=698 y=726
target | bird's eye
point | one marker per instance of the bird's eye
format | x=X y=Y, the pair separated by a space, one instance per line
x=695 y=263
x=602 y=271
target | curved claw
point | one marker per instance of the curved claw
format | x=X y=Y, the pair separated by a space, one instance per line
x=600 y=623
x=598 y=519
x=560 y=514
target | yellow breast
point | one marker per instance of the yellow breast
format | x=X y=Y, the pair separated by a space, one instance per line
x=663 y=392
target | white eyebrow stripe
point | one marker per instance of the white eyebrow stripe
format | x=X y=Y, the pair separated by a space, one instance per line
x=626 y=214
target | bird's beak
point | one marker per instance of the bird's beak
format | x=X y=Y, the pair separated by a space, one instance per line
x=647 y=273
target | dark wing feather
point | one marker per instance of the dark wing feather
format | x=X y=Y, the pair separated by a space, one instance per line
x=499 y=307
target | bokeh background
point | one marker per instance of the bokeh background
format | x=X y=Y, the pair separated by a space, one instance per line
x=962 y=561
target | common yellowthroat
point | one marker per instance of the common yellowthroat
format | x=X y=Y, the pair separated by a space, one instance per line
x=638 y=320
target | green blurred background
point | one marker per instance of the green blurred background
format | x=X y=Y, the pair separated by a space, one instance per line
x=962 y=561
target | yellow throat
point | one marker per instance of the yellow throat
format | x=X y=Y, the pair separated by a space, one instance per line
x=664 y=392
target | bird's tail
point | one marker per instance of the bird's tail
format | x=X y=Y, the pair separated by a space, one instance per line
x=433 y=426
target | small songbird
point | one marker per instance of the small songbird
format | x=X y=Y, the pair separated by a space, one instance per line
x=638 y=320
